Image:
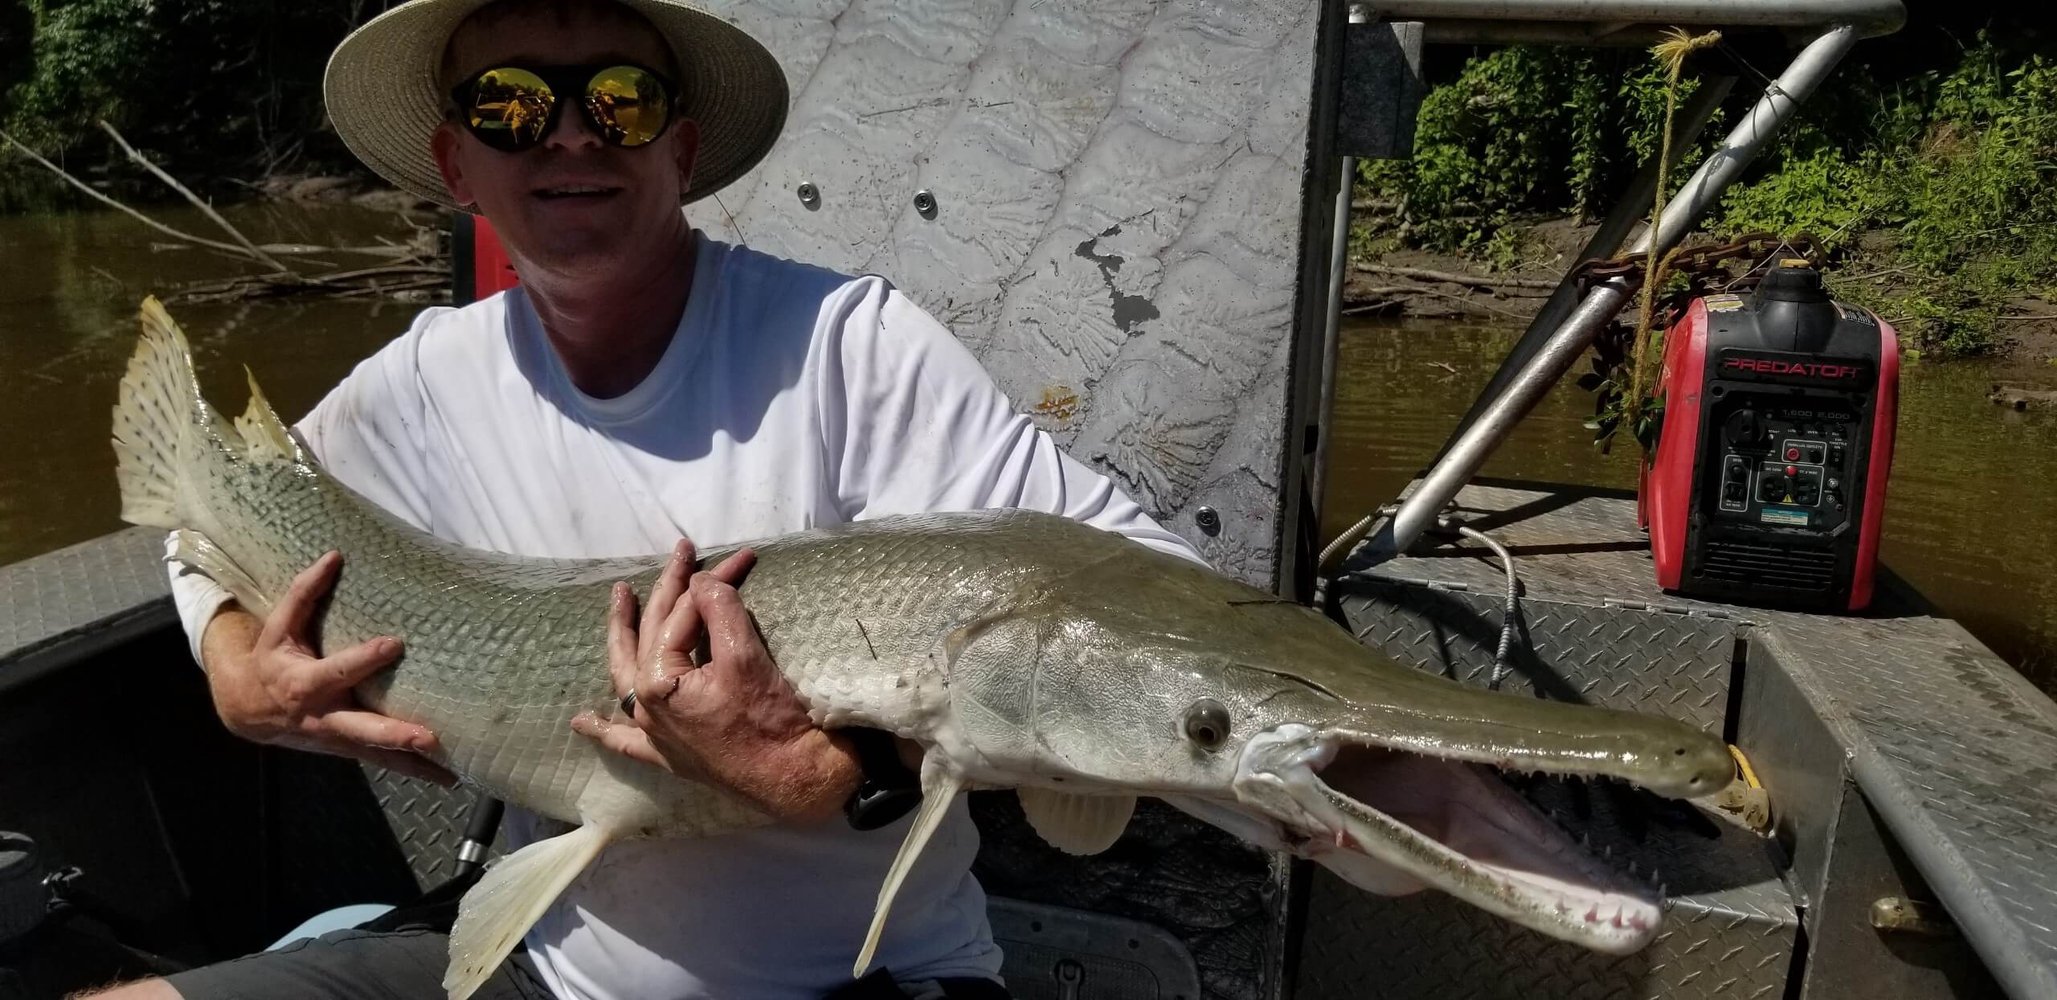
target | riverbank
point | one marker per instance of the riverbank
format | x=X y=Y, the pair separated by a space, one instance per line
x=357 y=190
x=1393 y=281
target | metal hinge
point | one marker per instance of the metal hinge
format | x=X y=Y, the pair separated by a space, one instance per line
x=1680 y=610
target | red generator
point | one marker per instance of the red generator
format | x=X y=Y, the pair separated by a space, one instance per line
x=1769 y=484
x=478 y=263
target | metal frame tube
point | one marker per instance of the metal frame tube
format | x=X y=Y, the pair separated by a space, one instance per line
x=1605 y=242
x=1338 y=274
x=1464 y=458
x=1869 y=18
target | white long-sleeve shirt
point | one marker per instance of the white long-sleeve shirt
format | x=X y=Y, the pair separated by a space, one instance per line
x=791 y=396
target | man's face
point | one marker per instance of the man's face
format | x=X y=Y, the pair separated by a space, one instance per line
x=543 y=200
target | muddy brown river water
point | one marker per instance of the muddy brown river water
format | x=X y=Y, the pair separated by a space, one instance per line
x=1971 y=519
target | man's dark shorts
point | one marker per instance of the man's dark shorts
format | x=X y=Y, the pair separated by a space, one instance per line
x=408 y=964
x=405 y=964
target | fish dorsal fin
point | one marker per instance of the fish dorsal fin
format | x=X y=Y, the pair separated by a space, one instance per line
x=1077 y=824
x=939 y=788
x=264 y=435
x=511 y=897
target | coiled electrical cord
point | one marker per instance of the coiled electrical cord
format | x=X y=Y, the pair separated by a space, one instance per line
x=1503 y=657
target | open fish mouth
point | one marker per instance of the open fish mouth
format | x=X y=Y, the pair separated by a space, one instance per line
x=1395 y=821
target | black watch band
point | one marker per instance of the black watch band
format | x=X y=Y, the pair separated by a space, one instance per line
x=889 y=789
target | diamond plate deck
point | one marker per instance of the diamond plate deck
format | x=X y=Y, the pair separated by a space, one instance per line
x=69 y=604
x=1957 y=751
x=1642 y=660
x=427 y=821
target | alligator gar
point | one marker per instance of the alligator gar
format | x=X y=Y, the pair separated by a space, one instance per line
x=1021 y=650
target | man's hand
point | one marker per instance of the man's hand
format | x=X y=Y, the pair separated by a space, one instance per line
x=271 y=686
x=709 y=703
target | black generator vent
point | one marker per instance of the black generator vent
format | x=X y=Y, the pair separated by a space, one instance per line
x=1762 y=564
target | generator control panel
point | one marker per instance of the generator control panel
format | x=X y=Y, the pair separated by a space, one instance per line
x=1785 y=465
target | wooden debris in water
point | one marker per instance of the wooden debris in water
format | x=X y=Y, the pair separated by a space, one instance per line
x=416 y=269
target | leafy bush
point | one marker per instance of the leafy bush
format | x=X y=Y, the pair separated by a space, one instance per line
x=1522 y=131
x=1955 y=177
x=85 y=56
x=1946 y=179
x=209 y=86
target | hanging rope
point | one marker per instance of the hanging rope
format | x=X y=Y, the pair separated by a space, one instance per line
x=1671 y=53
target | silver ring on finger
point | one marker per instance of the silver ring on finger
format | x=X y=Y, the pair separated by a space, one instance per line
x=628 y=704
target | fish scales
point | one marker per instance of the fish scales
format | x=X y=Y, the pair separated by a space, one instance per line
x=501 y=652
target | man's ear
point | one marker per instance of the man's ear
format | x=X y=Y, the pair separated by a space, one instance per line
x=443 y=143
x=686 y=146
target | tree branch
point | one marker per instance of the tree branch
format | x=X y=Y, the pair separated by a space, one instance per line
x=255 y=253
x=1479 y=281
x=183 y=237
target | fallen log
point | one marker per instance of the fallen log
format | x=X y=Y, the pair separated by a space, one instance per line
x=2016 y=397
x=1480 y=281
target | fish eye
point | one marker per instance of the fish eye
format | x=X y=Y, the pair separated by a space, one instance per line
x=1207 y=723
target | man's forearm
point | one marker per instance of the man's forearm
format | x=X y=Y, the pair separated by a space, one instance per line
x=231 y=632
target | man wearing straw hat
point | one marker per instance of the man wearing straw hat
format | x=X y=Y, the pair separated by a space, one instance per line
x=644 y=384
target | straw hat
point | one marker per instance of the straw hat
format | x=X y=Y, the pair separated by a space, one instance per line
x=384 y=97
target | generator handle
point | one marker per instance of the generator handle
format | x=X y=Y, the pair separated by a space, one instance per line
x=1418 y=510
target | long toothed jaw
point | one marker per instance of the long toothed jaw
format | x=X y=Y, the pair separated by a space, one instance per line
x=1392 y=822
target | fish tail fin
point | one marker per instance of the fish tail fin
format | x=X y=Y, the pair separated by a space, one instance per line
x=161 y=423
x=510 y=898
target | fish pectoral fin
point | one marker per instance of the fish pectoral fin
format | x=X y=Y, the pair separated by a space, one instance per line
x=939 y=787
x=1077 y=824
x=510 y=898
x=199 y=551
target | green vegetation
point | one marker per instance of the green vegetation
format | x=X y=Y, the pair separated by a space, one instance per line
x=1522 y=132
x=1936 y=189
x=208 y=88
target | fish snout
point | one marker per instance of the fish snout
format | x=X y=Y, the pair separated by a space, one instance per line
x=1393 y=821
x=1699 y=766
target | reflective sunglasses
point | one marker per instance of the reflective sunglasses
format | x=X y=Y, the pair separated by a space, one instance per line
x=511 y=108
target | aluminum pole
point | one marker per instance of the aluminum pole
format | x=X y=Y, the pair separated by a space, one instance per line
x=1868 y=17
x=1605 y=242
x=1338 y=274
x=1418 y=512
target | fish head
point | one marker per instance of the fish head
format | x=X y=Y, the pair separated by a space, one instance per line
x=1267 y=719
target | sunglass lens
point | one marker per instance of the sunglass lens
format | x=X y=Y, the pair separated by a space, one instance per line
x=629 y=105
x=510 y=108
